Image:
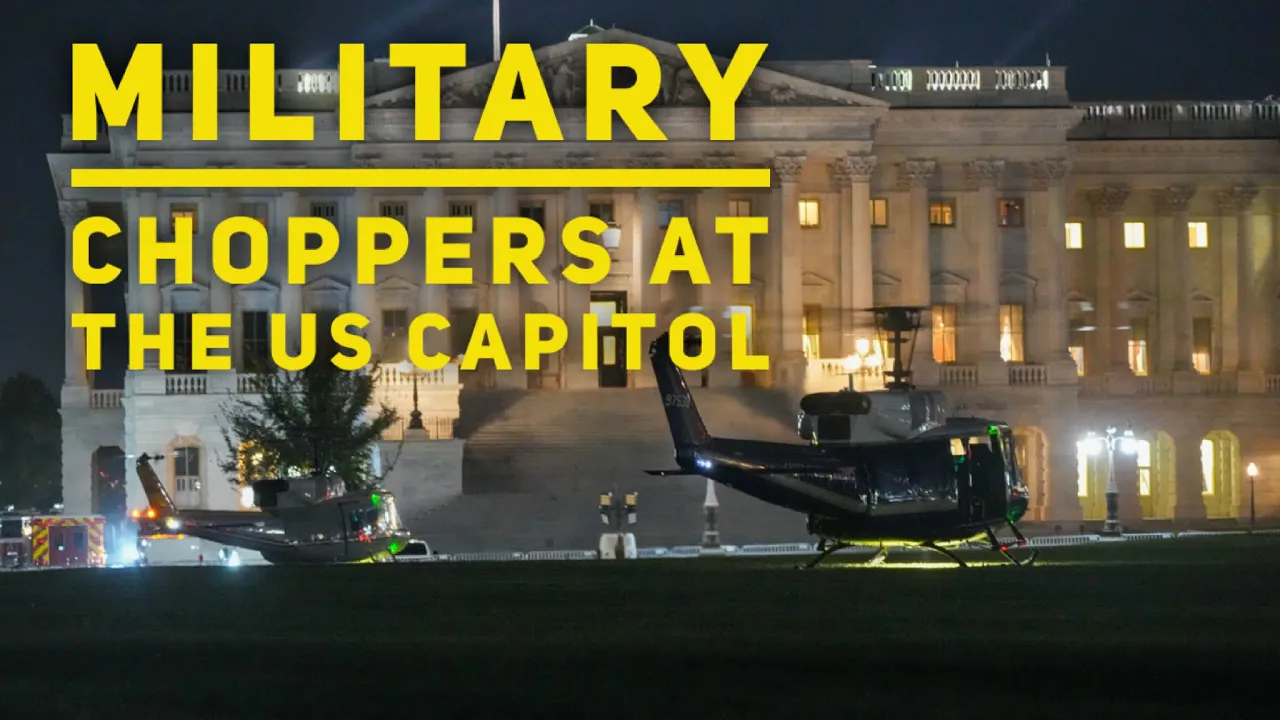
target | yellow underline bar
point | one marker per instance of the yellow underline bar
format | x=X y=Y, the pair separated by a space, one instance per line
x=407 y=178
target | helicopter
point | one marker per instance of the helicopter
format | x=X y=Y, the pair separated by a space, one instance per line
x=301 y=520
x=882 y=468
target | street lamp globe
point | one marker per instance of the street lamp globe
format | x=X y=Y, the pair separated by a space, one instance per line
x=1091 y=444
x=1128 y=443
x=1252 y=470
x=852 y=364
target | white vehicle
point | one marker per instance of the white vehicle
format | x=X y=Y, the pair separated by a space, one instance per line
x=414 y=551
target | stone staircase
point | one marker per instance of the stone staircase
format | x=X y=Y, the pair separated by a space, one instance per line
x=535 y=463
x=593 y=440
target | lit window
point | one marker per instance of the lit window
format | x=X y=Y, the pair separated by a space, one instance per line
x=1082 y=471
x=745 y=310
x=1075 y=236
x=812 y=322
x=604 y=310
x=1135 y=235
x=1011 y=333
x=1198 y=233
x=186 y=476
x=944 y=333
x=1077 y=354
x=397 y=210
x=942 y=213
x=739 y=208
x=669 y=210
x=177 y=212
x=462 y=209
x=808 y=213
x=1207 y=465
x=1144 y=467
x=1138 y=360
x=395 y=333
x=1011 y=213
x=1202 y=345
x=879 y=213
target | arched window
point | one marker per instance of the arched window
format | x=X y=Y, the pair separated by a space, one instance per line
x=187 y=476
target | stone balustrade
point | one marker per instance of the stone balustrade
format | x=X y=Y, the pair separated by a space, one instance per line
x=1178 y=119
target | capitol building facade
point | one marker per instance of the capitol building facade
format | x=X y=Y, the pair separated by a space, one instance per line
x=1085 y=265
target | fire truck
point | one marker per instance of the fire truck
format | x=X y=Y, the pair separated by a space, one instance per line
x=68 y=541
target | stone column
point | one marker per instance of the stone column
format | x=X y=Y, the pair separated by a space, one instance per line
x=1252 y=363
x=788 y=359
x=917 y=279
x=1048 y=257
x=851 y=174
x=717 y=253
x=144 y=299
x=1174 y=275
x=646 y=241
x=432 y=298
x=76 y=375
x=219 y=209
x=288 y=204
x=1188 y=478
x=576 y=301
x=507 y=299
x=1112 y=302
x=364 y=298
x=981 y=179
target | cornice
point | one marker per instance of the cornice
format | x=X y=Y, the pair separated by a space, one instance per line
x=909 y=118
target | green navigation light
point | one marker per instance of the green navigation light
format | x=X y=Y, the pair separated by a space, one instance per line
x=375 y=499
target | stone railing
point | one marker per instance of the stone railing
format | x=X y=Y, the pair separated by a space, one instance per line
x=1273 y=384
x=1178 y=119
x=106 y=399
x=971 y=86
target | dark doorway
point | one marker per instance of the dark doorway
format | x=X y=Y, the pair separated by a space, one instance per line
x=612 y=347
x=68 y=546
x=109 y=492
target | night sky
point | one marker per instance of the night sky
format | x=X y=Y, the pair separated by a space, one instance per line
x=1115 y=49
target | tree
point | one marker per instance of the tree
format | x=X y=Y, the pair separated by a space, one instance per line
x=30 y=444
x=316 y=420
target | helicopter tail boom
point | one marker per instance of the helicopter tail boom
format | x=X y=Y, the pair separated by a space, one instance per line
x=687 y=429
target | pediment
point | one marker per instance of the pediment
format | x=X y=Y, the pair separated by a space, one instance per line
x=1075 y=296
x=260 y=296
x=815 y=280
x=1141 y=296
x=1201 y=296
x=396 y=292
x=184 y=298
x=948 y=279
x=326 y=284
x=1017 y=278
x=325 y=294
x=563 y=68
x=879 y=279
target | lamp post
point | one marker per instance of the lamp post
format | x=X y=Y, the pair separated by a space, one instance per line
x=1111 y=440
x=865 y=360
x=415 y=417
x=1252 y=472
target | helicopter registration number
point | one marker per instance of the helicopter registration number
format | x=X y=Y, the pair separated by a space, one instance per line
x=677 y=400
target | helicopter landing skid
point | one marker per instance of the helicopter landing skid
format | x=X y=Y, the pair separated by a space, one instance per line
x=1003 y=549
x=825 y=551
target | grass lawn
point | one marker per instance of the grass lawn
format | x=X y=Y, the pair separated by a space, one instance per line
x=1161 y=629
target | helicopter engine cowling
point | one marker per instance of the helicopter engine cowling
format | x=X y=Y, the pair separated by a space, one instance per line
x=870 y=417
x=296 y=492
